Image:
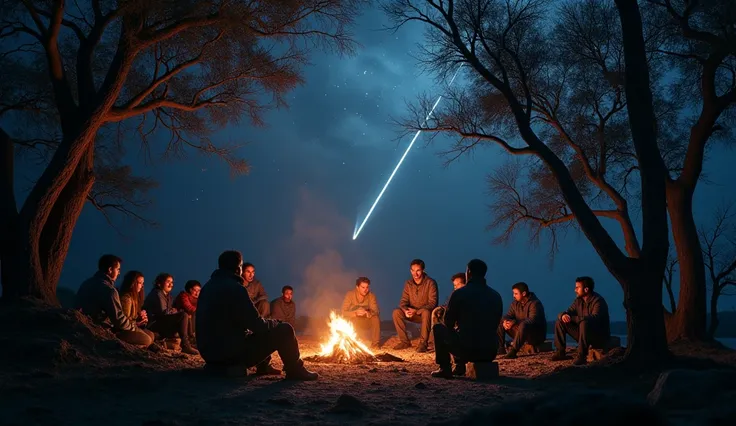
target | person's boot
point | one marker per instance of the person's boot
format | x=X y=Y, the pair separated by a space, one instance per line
x=267 y=370
x=442 y=373
x=560 y=356
x=511 y=354
x=186 y=348
x=580 y=359
x=422 y=348
x=301 y=373
x=459 y=370
x=402 y=345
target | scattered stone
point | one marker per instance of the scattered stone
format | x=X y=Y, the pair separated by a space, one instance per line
x=420 y=385
x=282 y=402
x=350 y=405
x=172 y=344
x=482 y=370
x=596 y=354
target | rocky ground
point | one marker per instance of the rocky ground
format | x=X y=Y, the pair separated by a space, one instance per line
x=56 y=368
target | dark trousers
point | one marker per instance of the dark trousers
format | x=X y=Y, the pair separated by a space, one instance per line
x=263 y=308
x=447 y=343
x=522 y=333
x=139 y=337
x=372 y=325
x=259 y=347
x=421 y=316
x=586 y=335
x=170 y=325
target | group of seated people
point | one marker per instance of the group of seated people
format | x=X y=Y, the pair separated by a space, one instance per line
x=229 y=321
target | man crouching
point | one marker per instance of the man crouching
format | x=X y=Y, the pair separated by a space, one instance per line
x=230 y=332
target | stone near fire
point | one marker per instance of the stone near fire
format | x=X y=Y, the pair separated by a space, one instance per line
x=482 y=370
x=527 y=349
x=595 y=354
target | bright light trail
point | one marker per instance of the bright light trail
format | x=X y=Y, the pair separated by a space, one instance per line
x=401 y=160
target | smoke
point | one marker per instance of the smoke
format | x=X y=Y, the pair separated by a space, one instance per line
x=319 y=233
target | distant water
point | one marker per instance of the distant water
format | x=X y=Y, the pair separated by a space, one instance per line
x=729 y=342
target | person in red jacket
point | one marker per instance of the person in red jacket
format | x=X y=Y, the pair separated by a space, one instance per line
x=187 y=301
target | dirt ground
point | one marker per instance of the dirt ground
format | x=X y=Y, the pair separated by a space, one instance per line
x=61 y=370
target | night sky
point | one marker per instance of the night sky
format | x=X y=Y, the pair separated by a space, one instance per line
x=316 y=169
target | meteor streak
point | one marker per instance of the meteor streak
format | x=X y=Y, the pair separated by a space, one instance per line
x=401 y=160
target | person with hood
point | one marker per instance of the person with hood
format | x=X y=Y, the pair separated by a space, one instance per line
x=525 y=321
x=231 y=332
x=255 y=290
x=473 y=312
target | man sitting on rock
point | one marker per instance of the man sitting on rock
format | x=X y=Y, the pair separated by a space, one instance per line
x=360 y=307
x=231 y=333
x=586 y=321
x=438 y=314
x=255 y=290
x=525 y=321
x=284 y=308
x=473 y=312
x=163 y=318
x=417 y=302
x=98 y=298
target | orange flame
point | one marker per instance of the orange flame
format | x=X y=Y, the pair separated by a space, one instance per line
x=343 y=344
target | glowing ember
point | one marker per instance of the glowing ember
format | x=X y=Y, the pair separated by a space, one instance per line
x=344 y=346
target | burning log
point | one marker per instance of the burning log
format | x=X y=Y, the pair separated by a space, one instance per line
x=343 y=347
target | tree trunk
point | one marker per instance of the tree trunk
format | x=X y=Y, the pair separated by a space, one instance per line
x=714 y=311
x=32 y=268
x=689 y=320
x=647 y=339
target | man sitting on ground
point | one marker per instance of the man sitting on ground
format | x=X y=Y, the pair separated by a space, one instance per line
x=417 y=303
x=284 y=308
x=231 y=333
x=360 y=307
x=586 y=321
x=98 y=298
x=525 y=322
x=163 y=317
x=473 y=312
x=255 y=290
x=458 y=281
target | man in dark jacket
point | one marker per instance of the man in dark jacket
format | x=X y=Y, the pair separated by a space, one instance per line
x=525 y=321
x=284 y=308
x=417 y=302
x=586 y=321
x=230 y=332
x=163 y=317
x=255 y=290
x=473 y=313
x=98 y=298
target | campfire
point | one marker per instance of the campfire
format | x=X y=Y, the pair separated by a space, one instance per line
x=344 y=347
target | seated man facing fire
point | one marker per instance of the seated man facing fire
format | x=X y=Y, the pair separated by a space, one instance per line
x=255 y=290
x=284 y=308
x=231 y=333
x=473 y=312
x=438 y=314
x=361 y=308
x=586 y=321
x=525 y=321
x=417 y=303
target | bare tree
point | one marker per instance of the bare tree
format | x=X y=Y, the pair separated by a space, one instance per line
x=669 y=279
x=700 y=43
x=719 y=252
x=528 y=101
x=87 y=71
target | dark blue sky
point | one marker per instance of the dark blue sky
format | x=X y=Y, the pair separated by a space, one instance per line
x=316 y=169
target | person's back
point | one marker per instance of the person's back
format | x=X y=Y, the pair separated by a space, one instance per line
x=476 y=309
x=221 y=302
x=94 y=298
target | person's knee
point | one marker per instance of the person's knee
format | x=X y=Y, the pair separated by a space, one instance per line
x=398 y=314
x=284 y=329
x=583 y=325
x=522 y=327
x=559 y=325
